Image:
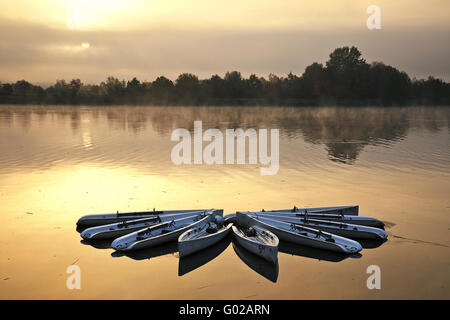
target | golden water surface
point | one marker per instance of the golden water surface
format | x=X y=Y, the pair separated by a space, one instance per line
x=59 y=163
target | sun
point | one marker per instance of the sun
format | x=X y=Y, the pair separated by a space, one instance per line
x=84 y=14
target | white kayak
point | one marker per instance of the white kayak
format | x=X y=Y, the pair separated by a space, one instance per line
x=358 y=220
x=341 y=210
x=115 y=230
x=347 y=230
x=258 y=241
x=201 y=237
x=301 y=235
x=108 y=218
x=159 y=233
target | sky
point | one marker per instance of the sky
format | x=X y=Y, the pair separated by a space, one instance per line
x=45 y=40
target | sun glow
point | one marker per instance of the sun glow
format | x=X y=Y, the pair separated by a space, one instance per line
x=148 y=38
x=232 y=14
x=83 y=14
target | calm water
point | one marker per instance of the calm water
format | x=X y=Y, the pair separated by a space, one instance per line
x=58 y=163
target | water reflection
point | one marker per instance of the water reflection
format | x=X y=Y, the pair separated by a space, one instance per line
x=62 y=162
x=344 y=132
x=313 y=253
x=371 y=243
x=198 y=259
x=98 y=243
x=266 y=269
x=148 y=253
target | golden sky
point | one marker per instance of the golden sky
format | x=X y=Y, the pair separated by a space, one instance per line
x=44 y=40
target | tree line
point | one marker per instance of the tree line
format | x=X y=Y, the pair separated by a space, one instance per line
x=345 y=79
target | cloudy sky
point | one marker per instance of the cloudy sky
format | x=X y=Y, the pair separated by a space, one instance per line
x=45 y=40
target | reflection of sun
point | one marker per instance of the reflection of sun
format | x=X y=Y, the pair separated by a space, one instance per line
x=86 y=134
x=86 y=45
x=87 y=140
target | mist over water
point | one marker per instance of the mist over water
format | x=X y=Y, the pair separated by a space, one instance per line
x=128 y=135
x=60 y=162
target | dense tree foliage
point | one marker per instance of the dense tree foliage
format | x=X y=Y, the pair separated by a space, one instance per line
x=346 y=79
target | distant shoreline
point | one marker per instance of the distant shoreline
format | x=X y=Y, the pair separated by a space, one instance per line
x=6 y=105
x=345 y=80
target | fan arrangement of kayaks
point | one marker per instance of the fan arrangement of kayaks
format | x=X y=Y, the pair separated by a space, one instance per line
x=259 y=233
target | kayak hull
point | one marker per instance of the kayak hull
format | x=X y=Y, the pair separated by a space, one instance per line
x=266 y=251
x=341 y=210
x=187 y=246
x=109 y=218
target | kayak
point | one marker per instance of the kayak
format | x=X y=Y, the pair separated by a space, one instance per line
x=201 y=237
x=115 y=230
x=358 y=220
x=301 y=235
x=341 y=210
x=342 y=229
x=108 y=218
x=158 y=234
x=258 y=241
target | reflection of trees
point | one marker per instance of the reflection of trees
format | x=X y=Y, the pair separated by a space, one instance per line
x=431 y=119
x=121 y=118
x=6 y=117
x=75 y=119
x=344 y=131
